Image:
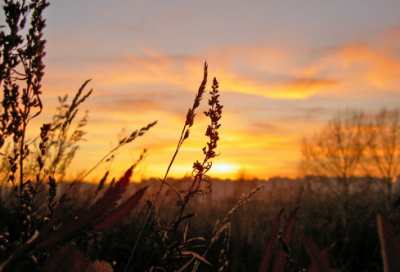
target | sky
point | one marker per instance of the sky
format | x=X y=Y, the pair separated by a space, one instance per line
x=284 y=68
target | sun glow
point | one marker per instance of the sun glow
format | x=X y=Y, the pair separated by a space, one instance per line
x=222 y=168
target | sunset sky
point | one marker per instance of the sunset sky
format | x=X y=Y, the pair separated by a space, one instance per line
x=284 y=67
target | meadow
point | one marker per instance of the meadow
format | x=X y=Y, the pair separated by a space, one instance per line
x=352 y=246
x=320 y=222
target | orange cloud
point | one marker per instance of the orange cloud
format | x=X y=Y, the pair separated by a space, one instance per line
x=379 y=66
x=269 y=73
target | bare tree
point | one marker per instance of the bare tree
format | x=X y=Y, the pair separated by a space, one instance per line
x=334 y=155
x=384 y=148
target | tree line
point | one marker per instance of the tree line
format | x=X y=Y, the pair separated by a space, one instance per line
x=353 y=145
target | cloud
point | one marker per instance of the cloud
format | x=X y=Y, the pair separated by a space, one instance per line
x=379 y=66
x=364 y=68
x=309 y=85
x=354 y=69
x=241 y=70
x=350 y=70
x=129 y=106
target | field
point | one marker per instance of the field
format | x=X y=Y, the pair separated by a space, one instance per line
x=352 y=237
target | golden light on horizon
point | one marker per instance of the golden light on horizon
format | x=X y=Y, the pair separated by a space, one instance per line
x=223 y=169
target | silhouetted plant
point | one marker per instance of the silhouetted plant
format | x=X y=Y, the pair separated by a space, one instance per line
x=175 y=248
x=27 y=232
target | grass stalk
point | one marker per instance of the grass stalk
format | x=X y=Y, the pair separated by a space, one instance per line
x=184 y=135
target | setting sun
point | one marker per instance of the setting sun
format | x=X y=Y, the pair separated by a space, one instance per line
x=223 y=168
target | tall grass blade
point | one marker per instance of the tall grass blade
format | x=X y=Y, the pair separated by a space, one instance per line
x=319 y=260
x=194 y=254
x=269 y=249
x=390 y=245
x=186 y=265
x=113 y=217
x=97 y=212
x=280 y=260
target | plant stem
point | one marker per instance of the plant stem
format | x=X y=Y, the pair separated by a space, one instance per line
x=155 y=199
